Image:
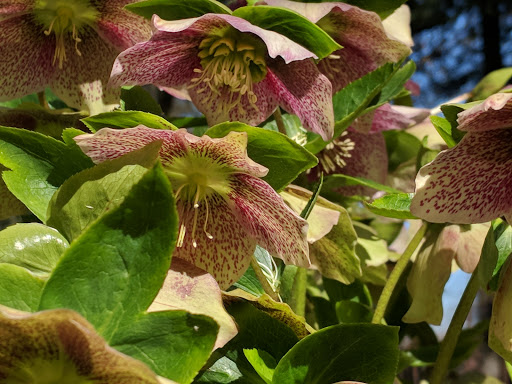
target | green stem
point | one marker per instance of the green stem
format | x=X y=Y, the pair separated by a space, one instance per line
x=396 y=273
x=42 y=100
x=452 y=335
x=279 y=121
x=298 y=296
x=263 y=280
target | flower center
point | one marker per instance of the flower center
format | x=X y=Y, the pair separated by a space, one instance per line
x=196 y=180
x=333 y=158
x=64 y=19
x=231 y=63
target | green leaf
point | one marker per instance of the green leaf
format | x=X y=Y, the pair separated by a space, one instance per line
x=32 y=246
x=126 y=119
x=352 y=312
x=39 y=165
x=488 y=259
x=503 y=234
x=444 y=128
x=491 y=83
x=113 y=271
x=177 y=9
x=19 y=289
x=337 y=353
x=249 y=283
x=363 y=95
x=395 y=205
x=292 y=25
x=136 y=98
x=383 y=7
x=336 y=181
x=451 y=111
x=262 y=362
x=89 y=194
x=174 y=344
x=284 y=158
x=401 y=147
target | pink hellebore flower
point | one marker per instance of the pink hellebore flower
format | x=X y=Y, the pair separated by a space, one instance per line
x=67 y=45
x=224 y=208
x=366 y=44
x=232 y=70
x=471 y=182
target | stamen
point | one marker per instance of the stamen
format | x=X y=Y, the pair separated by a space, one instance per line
x=208 y=235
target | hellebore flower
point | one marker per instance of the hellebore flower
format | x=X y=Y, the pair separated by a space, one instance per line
x=471 y=182
x=60 y=346
x=366 y=44
x=361 y=151
x=224 y=208
x=67 y=45
x=232 y=71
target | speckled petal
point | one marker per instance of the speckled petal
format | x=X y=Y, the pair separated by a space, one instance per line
x=302 y=90
x=228 y=254
x=121 y=27
x=469 y=183
x=397 y=117
x=229 y=151
x=168 y=60
x=495 y=112
x=26 y=58
x=82 y=83
x=189 y=288
x=13 y=8
x=210 y=104
x=277 y=44
x=264 y=216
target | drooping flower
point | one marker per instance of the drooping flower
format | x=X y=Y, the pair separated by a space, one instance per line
x=232 y=71
x=60 y=346
x=67 y=45
x=366 y=44
x=361 y=151
x=224 y=208
x=471 y=182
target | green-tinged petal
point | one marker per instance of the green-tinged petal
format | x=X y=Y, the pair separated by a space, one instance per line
x=60 y=346
x=26 y=63
x=398 y=25
x=264 y=216
x=467 y=242
x=302 y=90
x=82 y=82
x=495 y=112
x=469 y=183
x=189 y=288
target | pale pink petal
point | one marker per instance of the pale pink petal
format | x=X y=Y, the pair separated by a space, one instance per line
x=165 y=62
x=227 y=254
x=469 y=183
x=230 y=151
x=212 y=105
x=82 y=83
x=277 y=44
x=312 y=11
x=25 y=58
x=265 y=216
x=302 y=90
x=121 y=27
x=397 y=117
x=467 y=242
x=412 y=87
x=495 y=112
x=189 y=288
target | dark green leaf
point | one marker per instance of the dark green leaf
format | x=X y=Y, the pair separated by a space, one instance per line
x=336 y=353
x=395 y=205
x=39 y=166
x=176 y=9
x=352 y=312
x=284 y=158
x=126 y=119
x=136 y=98
x=339 y=180
x=401 y=147
x=291 y=25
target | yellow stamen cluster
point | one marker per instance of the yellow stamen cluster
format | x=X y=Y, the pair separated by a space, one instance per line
x=64 y=19
x=231 y=64
x=333 y=156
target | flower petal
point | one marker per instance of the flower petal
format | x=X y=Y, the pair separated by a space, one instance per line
x=265 y=216
x=302 y=90
x=228 y=253
x=189 y=288
x=312 y=11
x=469 y=183
x=397 y=117
x=82 y=82
x=9 y=204
x=495 y=112
x=26 y=58
x=277 y=44
x=13 y=8
x=466 y=241
x=230 y=151
x=398 y=25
